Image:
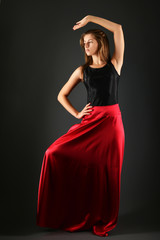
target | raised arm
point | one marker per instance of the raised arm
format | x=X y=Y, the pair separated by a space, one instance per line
x=119 y=44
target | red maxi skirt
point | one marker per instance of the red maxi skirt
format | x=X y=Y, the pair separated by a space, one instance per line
x=79 y=186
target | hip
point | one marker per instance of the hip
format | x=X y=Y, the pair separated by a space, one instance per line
x=103 y=111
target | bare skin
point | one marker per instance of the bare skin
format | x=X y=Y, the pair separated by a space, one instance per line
x=91 y=47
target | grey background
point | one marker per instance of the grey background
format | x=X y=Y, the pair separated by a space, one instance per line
x=39 y=52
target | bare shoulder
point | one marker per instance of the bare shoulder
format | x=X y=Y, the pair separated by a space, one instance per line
x=80 y=72
x=117 y=65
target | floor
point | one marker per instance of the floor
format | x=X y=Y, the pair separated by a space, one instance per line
x=129 y=227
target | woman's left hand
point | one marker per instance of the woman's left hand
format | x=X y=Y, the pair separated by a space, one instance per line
x=82 y=22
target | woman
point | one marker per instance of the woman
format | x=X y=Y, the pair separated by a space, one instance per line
x=79 y=186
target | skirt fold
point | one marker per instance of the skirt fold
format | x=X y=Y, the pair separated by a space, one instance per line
x=79 y=185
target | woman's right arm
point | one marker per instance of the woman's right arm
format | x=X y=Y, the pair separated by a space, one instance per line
x=74 y=79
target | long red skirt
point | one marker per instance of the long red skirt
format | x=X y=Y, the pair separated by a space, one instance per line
x=79 y=186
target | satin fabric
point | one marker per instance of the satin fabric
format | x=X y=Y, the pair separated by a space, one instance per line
x=79 y=185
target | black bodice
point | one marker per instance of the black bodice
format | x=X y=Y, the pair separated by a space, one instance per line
x=101 y=84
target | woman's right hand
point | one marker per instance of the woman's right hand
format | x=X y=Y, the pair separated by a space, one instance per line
x=82 y=22
x=85 y=111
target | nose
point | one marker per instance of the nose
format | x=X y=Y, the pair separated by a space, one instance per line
x=86 y=44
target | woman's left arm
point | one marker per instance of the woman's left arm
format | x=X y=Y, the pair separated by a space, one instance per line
x=118 y=37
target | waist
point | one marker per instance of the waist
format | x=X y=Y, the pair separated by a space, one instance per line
x=102 y=111
x=103 y=100
x=114 y=108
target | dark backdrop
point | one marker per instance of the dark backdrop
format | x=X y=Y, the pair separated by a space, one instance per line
x=39 y=52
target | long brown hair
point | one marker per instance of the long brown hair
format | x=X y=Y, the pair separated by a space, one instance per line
x=103 y=46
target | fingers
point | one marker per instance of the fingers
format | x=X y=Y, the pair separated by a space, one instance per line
x=87 y=109
x=76 y=27
x=89 y=104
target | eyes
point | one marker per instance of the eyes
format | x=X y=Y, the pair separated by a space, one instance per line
x=89 y=42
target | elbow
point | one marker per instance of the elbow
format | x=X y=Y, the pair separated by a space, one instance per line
x=118 y=28
x=60 y=96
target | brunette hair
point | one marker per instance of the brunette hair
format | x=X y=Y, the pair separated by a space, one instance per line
x=103 y=46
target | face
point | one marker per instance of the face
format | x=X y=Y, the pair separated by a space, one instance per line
x=90 y=44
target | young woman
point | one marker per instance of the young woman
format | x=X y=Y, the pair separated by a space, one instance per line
x=79 y=186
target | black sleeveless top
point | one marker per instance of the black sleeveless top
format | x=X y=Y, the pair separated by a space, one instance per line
x=101 y=84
